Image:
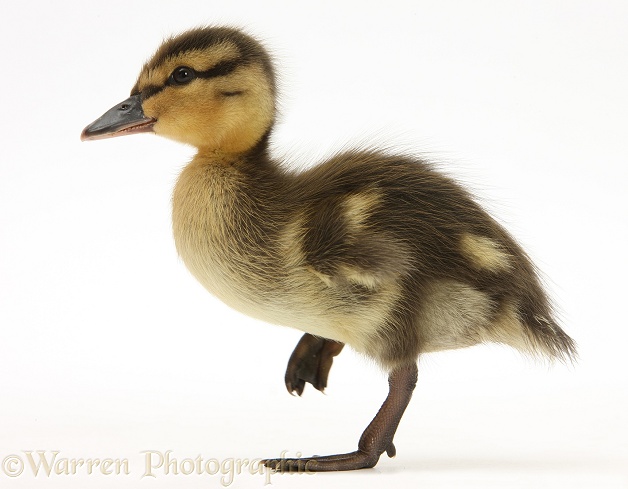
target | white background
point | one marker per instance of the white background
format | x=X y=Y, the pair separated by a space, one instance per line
x=109 y=347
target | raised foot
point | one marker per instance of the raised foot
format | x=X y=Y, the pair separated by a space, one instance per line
x=376 y=439
x=310 y=362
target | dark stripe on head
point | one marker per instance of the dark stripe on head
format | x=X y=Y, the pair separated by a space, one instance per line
x=221 y=69
x=203 y=38
x=249 y=51
x=151 y=90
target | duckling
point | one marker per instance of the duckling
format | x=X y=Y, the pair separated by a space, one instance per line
x=374 y=250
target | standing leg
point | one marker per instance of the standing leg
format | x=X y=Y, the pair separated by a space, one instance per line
x=376 y=439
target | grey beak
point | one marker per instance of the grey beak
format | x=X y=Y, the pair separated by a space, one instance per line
x=124 y=118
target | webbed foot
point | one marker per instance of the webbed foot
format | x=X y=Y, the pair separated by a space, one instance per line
x=376 y=439
x=310 y=362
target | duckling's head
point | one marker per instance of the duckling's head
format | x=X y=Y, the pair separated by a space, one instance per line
x=212 y=88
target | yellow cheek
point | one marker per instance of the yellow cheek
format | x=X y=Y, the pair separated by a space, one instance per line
x=197 y=114
x=151 y=108
x=180 y=116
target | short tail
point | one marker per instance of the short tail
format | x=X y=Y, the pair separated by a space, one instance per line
x=546 y=337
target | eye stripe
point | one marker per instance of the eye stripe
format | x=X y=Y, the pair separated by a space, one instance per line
x=151 y=90
x=221 y=69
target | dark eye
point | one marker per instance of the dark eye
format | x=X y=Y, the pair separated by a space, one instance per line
x=182 y=75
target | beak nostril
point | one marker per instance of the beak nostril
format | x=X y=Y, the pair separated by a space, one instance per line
x=126 y=117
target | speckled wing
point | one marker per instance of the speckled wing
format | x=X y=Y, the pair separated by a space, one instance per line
x=340 y=241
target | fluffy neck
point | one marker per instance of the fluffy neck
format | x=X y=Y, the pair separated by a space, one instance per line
x=227 y=214
x=256 y=155
x=225 y=198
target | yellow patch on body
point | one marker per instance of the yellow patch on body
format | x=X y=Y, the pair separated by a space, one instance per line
x=360 y=276
x=319 y=299
x=484 y=253
x=359 y=206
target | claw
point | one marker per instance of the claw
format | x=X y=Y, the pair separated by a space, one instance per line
x=296 y=388
x=377 y=437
